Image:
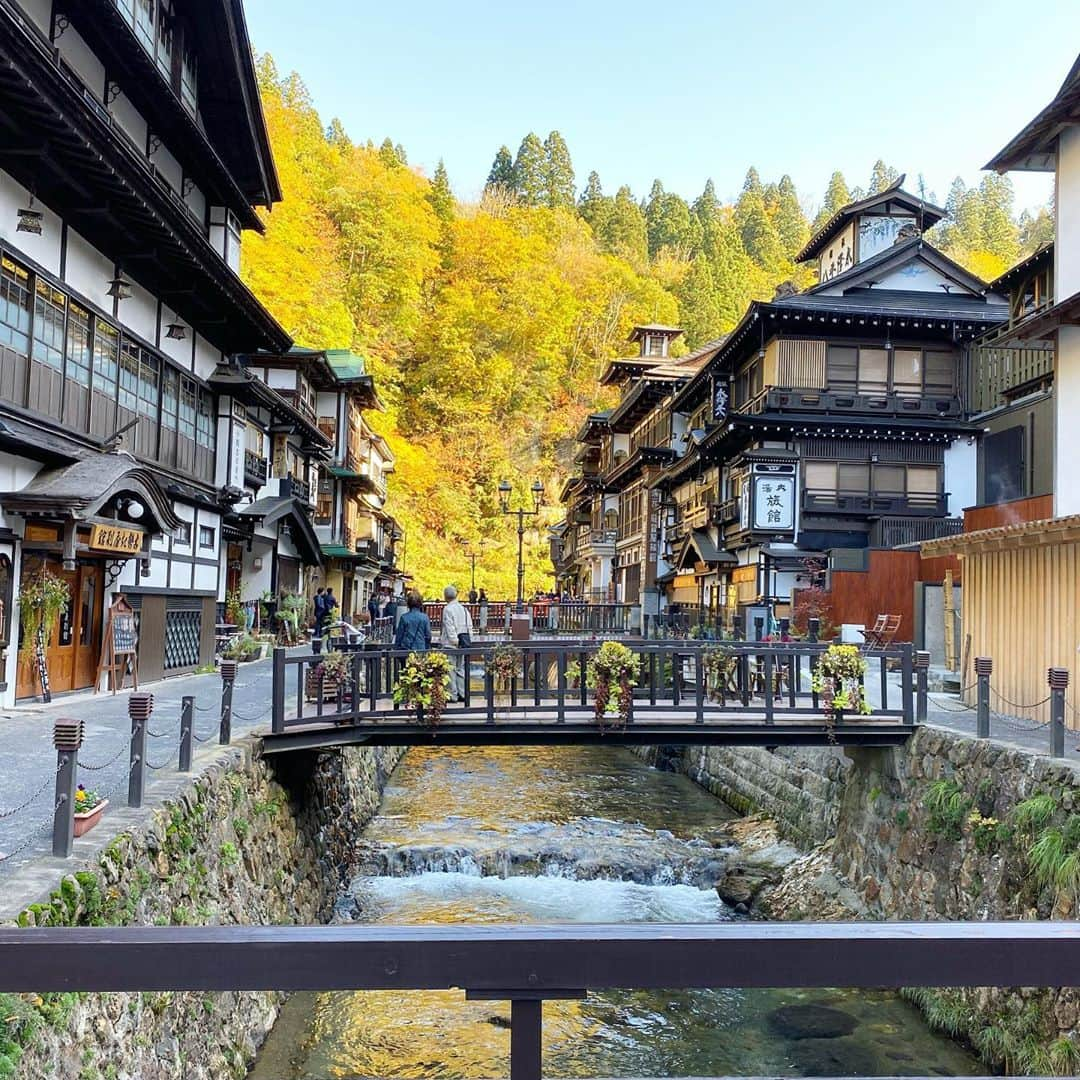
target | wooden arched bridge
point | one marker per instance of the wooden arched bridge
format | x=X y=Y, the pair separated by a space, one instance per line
x=761 y=694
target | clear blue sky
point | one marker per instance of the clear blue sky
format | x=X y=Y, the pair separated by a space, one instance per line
x=686 y=89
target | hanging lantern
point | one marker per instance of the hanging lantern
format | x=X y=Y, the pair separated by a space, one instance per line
x=176 y=331
x=119 y=286
x=30 y=219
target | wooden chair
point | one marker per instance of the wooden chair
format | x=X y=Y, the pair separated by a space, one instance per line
x=880 y=635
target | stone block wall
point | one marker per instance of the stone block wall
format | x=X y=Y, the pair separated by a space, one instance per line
x=241 y=844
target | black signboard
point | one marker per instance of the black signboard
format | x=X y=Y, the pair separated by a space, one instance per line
x=720 y=397
x=123 y=632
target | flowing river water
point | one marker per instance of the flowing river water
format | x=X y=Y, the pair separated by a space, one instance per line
x=580 y=834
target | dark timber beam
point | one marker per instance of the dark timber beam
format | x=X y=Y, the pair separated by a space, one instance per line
x=540 y=960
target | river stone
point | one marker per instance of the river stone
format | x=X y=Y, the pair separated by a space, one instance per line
x=742 y=881
x=833 y=1057
x=812 y=1022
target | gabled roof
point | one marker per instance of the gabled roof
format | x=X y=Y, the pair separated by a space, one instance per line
x=699 y=543
x=1034 y=149
x=276 y=508
x=654 y=328
x=929 y=213
x=892 y=257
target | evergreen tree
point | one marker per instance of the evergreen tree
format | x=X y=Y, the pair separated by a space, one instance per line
x=837 y=197
x=530 y=171
x=559 y=172
x=502 y=171
x=388 y=154
x=770 y=196
x=789 y=219
x=699 y=309
x=402 y=157
x=670 y=224
x=758 y=233
x=999 y=232
x=624 y=232
x=883 y=176
x=752 y=183
x=593 y=205
x=706 y=205
x=1036 y=230
x=336 y=137
x=440 y=195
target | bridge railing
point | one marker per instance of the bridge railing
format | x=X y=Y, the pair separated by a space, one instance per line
x=547 y=680
x=546 y=616
x=528 y=965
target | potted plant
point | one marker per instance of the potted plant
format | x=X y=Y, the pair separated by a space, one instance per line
x=235 y=612
x=423 y=685
x=41 y=600
x=838 y=679
x=330 y=677
x=502 y=665
x=718 y=665
x=612 y=673
x=89 y=806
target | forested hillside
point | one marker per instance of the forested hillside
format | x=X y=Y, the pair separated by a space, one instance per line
x=487 y=323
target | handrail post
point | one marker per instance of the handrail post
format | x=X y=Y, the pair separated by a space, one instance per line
x=526 y=1030
x=67 y=738
x=187 y=720
x=922 y=672
x=699 y=686
x=907 y=691
x=1058 y=679
x=984 y=665
x=140 y=707
x=768 y=674
x=560 y=687
x=228 y=677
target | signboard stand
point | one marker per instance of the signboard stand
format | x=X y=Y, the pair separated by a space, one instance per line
x=118 y=650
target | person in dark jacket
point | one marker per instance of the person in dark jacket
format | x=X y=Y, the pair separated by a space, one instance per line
x=414 y=627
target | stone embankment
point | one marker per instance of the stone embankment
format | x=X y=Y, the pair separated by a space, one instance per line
x=946 y=827
x=240 y=844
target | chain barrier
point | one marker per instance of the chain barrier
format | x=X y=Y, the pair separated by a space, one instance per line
x=163 y=765
x=958 y=708
x=204 y=708
x=250 y=719
x=158 y=734
x=32 y=834
x=203 y=738
x=112 y=761
x=1016 y=704
x=11 y=812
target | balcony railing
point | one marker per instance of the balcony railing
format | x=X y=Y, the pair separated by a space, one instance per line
x=824 y=501
x=1000 y=375
x=890 y=532
x=298 y=489
x=255 y=470
x=724 y=513
x=774 y=399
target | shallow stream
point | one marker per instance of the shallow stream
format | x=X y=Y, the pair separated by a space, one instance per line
x=581 y=834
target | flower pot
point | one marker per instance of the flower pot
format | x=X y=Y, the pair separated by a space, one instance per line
x=86 y=820
x=331 y=688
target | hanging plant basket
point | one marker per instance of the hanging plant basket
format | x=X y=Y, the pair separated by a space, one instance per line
x=838 y=680
x=330 y=678
x=424 y=685
x=719 y=665
x=503 y=665
x=612 y=674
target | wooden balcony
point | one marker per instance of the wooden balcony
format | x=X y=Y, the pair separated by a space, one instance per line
x=255 y=469
x=1000 y=375
x=775 y=399
x=724 y=513
x=890 y=532
x=876 y=503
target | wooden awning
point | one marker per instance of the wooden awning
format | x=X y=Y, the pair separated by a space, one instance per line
x=1061 y=530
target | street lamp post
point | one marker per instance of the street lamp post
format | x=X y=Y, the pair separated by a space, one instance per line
x=521 y=513
x=472 y=554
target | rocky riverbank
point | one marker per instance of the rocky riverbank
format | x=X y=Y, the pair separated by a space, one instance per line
x=240 y=845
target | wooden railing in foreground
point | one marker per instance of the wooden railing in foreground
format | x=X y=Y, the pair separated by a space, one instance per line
x=530 y=964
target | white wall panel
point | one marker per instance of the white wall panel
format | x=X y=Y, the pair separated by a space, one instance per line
x=40 y=11
x=43 y=249
x=206 y=579
x=130 y=121
x=82 y=59
x=169 y=167
x=88 y=271
x=206 y=357
x=139 y=313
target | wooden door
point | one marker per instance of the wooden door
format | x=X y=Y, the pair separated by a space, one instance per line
x=87 y=602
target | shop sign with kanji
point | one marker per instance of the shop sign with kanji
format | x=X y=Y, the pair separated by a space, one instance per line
x=774 y=498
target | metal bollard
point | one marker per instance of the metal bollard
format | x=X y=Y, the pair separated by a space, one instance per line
x=983 y=668
x=187 y=728
x=140 y=708
x=67 y=738
x=922 y=671
x=228 y=677
x=1058 y=678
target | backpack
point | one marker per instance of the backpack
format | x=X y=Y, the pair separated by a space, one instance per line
x=320 y=606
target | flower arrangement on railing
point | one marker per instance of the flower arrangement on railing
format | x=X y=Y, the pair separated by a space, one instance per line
x=838 y=679
x=502 y=665
x=612 y=671
x=718 y=665
x=423 y=685
x=331 y=676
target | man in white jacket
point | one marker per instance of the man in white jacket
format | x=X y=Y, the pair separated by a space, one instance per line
x=455 y=622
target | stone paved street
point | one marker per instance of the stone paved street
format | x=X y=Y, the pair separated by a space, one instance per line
x=28 y=760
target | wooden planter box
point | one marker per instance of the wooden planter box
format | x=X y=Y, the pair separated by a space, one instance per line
x=85 y=821
x=330 y=687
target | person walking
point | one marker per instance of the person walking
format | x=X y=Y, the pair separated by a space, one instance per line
x=319 y=605
x=456 y=633
x=414 y=627
x=472 y=596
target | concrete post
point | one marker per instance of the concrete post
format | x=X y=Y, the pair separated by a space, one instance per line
x=187 y=723
x=1058 y=679
x=67 y=738
x=228 y=677
x=140 y=708
x=983 y=668
x=922 y=671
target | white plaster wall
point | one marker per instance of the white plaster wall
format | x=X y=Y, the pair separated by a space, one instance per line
x=280 y=378
x=1067 y=199
x=180 y=576
x=206 y=580
x=130 y=121
x=168 y=166
x=961 y=475
x=44 y=249
x=1066 y=418
x=206 y=357
x=196 y=201
x=88 y=271
x=253 y=583
x=9 y=668
x=15 y=473
x=178 y=350
x=82 y=59
x=40 y=11
x=139 y=313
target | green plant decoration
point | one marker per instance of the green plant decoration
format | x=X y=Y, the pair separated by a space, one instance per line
x=502 y=665
x=838 y=679
x=335 y=669
x=718 y=665
x=612 y=672
x=234 y=607
x=423 y=685
x=41 y=600
x=242 y=648
x=947 y=806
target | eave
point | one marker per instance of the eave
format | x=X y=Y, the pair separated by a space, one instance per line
x=1026 y=534
x=639 y=401
x=641 y=458
x=787 y=425
x=1043 y=324
x=59 y=143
